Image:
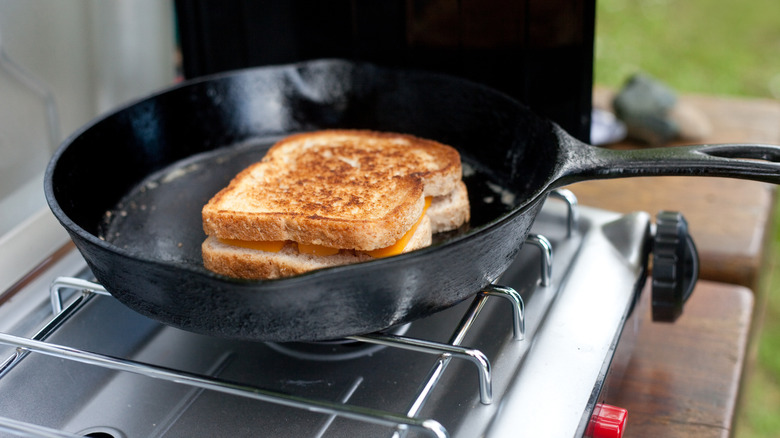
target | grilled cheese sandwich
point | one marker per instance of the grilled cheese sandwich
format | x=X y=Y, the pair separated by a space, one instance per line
x=333 y=197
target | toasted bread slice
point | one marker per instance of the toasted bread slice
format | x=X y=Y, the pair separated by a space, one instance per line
x=239 y=262
x=343 y=189
x=450 y=211
x=372 y=155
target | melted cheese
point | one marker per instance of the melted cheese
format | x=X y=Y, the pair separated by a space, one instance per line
x=398 y=247
x=321 y=250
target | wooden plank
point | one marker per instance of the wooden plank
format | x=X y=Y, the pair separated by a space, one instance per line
x=683 y=379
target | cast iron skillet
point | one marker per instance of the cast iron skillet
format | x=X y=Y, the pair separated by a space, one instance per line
x=129 y=188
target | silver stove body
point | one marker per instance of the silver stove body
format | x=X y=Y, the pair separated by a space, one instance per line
x=102 y=370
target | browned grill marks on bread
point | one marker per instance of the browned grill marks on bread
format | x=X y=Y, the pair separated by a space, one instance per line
x=346 y=189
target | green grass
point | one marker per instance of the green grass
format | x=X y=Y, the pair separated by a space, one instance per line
x=719 y=47
x=699 y=46
x=759 y=414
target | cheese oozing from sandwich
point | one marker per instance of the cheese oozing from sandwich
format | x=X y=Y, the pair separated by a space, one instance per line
x=398 y=247
x=321 y=250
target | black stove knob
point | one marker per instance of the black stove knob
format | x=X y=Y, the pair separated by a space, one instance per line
x=675 y=266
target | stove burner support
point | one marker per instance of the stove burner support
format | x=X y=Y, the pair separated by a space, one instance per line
x=475 y=356
x=572 y=219
x=463 y=327
x=374 y=416
x=55 y=290
x=518 y=307
x=545 y=247
x=452 y=349
x=402 y=423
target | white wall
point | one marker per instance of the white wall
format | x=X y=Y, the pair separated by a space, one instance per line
x=91 y=56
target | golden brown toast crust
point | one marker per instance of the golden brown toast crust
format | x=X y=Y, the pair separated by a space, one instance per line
x=338 y=188
x=450 y=211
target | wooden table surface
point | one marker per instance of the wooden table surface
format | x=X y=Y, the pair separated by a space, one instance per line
x=683 y=379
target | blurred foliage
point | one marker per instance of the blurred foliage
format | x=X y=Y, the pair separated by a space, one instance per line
x=700 y=46
x=759 y=413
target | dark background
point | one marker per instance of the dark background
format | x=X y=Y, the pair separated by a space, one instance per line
x=538 y=51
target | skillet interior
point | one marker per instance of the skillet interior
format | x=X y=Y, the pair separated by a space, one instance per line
x=160 y=217
x=130 y=186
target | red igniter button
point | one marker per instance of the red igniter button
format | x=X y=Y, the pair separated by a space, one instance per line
x=607 y=422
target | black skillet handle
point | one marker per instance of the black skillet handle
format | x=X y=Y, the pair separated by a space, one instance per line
x=580 y=162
